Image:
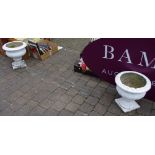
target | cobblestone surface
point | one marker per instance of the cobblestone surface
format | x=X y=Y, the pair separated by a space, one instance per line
x=52 y=88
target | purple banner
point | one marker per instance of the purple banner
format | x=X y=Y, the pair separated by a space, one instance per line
x=107 y=57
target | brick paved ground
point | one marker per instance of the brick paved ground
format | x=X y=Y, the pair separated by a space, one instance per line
x=52 y=88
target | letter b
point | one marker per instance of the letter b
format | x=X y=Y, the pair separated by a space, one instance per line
x=108 y=52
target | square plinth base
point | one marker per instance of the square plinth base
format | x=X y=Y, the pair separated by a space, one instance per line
x=127 y=105
x=21 y=64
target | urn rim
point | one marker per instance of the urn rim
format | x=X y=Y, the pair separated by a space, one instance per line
x=143 y=89
x=20 y=46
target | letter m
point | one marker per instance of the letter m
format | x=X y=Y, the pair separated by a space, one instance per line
x=144 y=59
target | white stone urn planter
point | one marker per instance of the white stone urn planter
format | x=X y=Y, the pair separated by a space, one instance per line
x=131 y=86
x=16 y=50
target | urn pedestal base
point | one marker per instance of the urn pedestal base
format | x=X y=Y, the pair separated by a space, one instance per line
x=127 y=105
x=18 y=64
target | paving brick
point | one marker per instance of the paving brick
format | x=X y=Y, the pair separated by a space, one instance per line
x=73 y=107
x=51 y=87
x=85 y=77
x=3 y=105
x=104 y=84
x=27 y=108
x=7 y=112
x=16 y=105
x=111 y=90
x=51 y=112
x=28 y=95
x=145 y=108
x=115 y=109
x=144 y=100
x=37 y=111
x=41 y=96
x=59 y=105
x=99 y=89
x=101 y=109
x=95 y=78
x=46 y=103
x=85 y=91
x=65 y=113
x=22 y=100
x=132 y=113
x=91 y=83
x=80 y=113
x=94 y=113
x=109 y=114
x=78 y=99
x=59 y=91
x=54 y=97
x=6 y=92
x=25 y=88
x=81 y=83
x=67 y=74
x=72 y=92
x=92 y=100
x=98 y=92
x=65 y=98
x=153 y=112
x=66 y=85
x=73 y=80
x=107 y=99
x=15 y=95
x=59 y=81
x=86 y=108
x=79 y=88
x=83 y=94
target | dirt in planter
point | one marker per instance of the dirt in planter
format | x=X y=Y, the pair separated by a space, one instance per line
x=14 y=44
x=133 y=80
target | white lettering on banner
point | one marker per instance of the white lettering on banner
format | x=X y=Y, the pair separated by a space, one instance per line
x=153 y=83
x=127 y=56
x=104 y=71
x=108 y=53
x=109 y=72
x=147 y=64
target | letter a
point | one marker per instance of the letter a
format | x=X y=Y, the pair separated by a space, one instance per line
x=127 y=56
